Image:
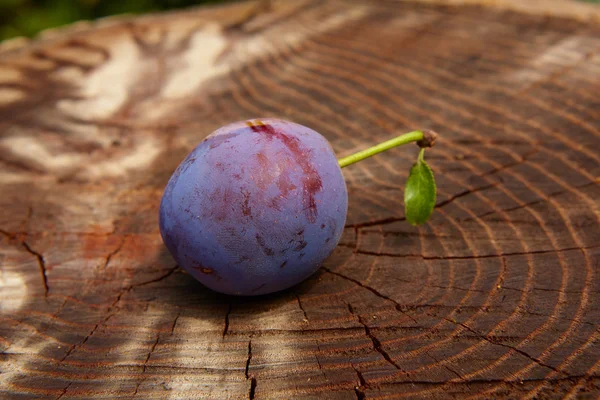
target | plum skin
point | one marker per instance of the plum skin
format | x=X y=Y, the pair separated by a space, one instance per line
x=255 y=208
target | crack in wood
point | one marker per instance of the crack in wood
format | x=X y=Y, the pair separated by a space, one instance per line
x=318 y=360
x=114 y=252
x=160 y=278
x=248 y=360
x=377 y=222
x=135 y=285
x=450 y=287
x=137 y=386
x=74 y=346
x=376 y=343
x=473 y=257
x=554 y=317
x=445 y=366
x=9 y=235
x=360 y=394
x=528 y=204
x=226 y=327
x=521 y=352
x=150 y=353
x=522 y=160
x=253 y=384
x=463 y=194
x=274 y=331
x=64 y=391
x=41 y=264
x=375 y=292
x=415 y=234
x=144 y=366
x=548 y=290
x=390 y=220
x=468 y=382
x=174 y=324
x=113 y=305
x=302 y=308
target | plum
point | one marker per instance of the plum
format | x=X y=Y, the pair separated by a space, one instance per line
x=255 y=208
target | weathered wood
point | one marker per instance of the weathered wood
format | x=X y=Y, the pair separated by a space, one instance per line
x=496 y=297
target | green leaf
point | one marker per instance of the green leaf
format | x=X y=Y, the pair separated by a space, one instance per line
x=419 y=194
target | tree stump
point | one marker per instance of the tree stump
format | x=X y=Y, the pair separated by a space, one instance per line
x=496 y=297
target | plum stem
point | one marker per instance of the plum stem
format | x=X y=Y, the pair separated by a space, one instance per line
x=425 y=138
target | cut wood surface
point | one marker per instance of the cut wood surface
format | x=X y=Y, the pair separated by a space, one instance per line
x=497 y=296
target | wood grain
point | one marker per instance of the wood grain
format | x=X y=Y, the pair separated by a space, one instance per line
x=496 y=297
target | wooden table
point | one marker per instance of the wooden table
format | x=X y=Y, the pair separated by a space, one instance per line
x=498 y=296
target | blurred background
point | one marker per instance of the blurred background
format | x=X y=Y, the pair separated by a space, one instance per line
x=28 y=17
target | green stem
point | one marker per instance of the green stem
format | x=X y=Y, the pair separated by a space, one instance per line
x=409 y=137
x=421 y=157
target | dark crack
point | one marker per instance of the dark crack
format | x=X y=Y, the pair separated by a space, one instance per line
x=452 y=287
x=174 y=324
x=160 y=278
x=531 y=203
x=554 y=317
x=391 y=328
x=391 y=220
x=375 y=292
x=383 y=221
x=494 y=342
x=113 y=305
x=253 y=384
x=158 y=368
x=150 y=353
x=548 y=290
x=464 y=193
x=522 y=160
x=446 y=367
x=406 y=234
x=302 y=308
x=473 y=257
x=226 y=327
x=9 y=235
x=64 y=391
x=569 y=378
x=145 y=365
x=131 y=287
x=318 y=360
x=376 y=343
x=85 y=339
x=248 y=359
x=360 y=394
x=42 y=265
x=113 y=253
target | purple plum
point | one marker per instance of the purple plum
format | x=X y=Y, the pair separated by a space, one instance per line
x=255 y=208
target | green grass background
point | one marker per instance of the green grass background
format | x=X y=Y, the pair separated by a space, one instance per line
x=28 y=17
